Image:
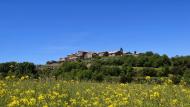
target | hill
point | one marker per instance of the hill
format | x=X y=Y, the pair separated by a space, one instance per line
x=122 y=67
x=115 y=66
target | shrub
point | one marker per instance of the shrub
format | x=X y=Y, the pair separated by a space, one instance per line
x=186 y=76
x=149 y=72
x=164 y=71
x=114 y=71
x=85 y=75
x=125 y=78
x=69 y=66
x=98 y=77
x=177 y=70
x=95 y=66
x=127 y=74
x=175 y=78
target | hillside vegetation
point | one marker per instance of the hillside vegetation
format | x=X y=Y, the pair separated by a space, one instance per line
x=126 y=68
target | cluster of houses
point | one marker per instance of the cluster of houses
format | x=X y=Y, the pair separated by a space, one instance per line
x=88 y=55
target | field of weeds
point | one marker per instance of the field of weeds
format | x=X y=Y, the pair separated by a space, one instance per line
x=26 y=92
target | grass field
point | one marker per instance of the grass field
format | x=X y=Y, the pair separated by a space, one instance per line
x=54 y=93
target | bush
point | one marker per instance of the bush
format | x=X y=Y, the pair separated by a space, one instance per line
x=114 y=71
x=127 y=74
x=98 y=77
x=177 y=70
x=175 y=78
x=186 y=76
x=69 y=66
x=164 y=71
x=85 y=75
x=125 y=78
x=149 y=72
x=110 y=70
x=95 y=66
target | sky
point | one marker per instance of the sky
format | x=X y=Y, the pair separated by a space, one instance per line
x=42 y=30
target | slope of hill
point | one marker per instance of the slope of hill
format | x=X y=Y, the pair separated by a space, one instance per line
x=120 y=67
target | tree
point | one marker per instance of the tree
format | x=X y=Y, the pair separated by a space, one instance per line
x=149 y=53
x=18 y=69
x=121 y=50
x=5 y=68
x=165 y=60
x=25 y=68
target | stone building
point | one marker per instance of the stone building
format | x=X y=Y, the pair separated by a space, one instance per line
x=116 y=53
x=72 y=57
x=90 y=55
x=87 y=55
x=103 y=54
x=81 y=54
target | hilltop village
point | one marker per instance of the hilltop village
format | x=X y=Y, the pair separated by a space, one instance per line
x=88 y=55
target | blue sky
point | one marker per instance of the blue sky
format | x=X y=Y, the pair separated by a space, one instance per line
x=42 y=30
